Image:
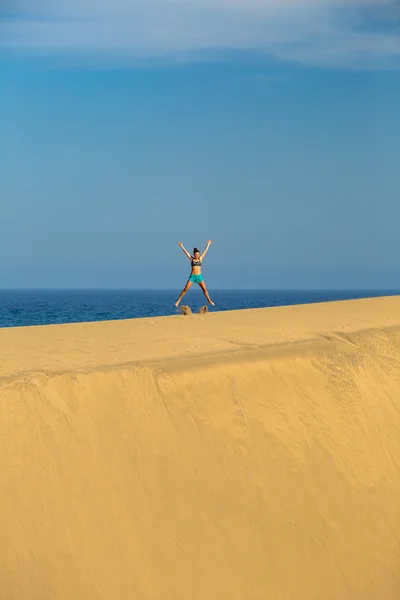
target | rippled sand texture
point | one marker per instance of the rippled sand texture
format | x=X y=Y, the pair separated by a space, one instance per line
x=247 y=455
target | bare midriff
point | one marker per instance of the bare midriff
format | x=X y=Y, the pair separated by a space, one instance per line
x=196 y=270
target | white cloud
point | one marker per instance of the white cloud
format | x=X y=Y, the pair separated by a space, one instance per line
x=337 y=33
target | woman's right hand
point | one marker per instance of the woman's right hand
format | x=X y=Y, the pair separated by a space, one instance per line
x=180 y=244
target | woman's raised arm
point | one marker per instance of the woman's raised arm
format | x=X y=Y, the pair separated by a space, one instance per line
x=184 y=249
x=206 y=249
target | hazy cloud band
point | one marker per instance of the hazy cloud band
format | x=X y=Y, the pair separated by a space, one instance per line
x=335 y=33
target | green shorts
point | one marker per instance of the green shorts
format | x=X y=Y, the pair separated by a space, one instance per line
x=196 y=278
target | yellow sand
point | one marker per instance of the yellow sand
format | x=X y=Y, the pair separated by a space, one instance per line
x=247 y=455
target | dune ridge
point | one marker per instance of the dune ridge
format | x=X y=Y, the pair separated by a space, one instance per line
x=253 y=454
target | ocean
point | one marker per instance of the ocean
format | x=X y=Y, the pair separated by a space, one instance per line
x=44 y=307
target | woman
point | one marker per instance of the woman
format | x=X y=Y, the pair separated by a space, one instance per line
x=195 y=276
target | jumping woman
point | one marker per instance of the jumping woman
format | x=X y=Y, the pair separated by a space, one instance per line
x=195 y=276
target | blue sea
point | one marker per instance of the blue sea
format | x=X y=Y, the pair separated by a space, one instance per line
x=43 y=307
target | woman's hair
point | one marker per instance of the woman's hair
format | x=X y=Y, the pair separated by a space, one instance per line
x=196 y=250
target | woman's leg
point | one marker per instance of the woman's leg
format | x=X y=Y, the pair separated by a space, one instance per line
x=183 y=292
x=203 y=287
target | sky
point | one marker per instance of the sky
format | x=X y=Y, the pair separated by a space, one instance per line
x=128 y=126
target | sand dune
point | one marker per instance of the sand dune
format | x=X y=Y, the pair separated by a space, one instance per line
x=248 y=455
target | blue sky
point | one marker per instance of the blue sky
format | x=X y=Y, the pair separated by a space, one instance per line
x=127 y=127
